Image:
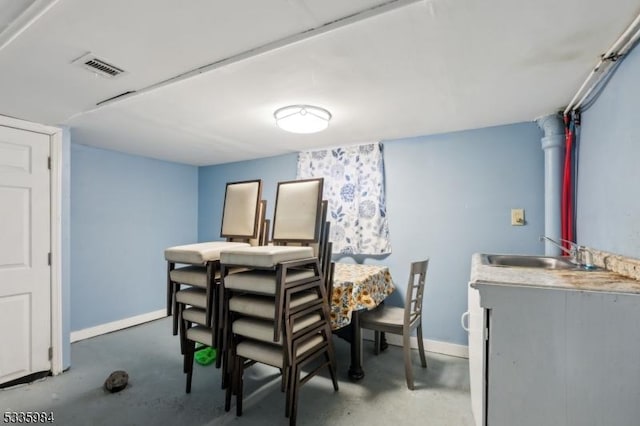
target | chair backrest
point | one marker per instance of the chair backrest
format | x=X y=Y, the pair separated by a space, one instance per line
x=325 y=247
x=329 y=280
x=240 y=214
x=298 y=212
x=415 y=292
x=263 y=228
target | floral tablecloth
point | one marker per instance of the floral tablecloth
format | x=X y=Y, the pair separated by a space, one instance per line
x=357 y=287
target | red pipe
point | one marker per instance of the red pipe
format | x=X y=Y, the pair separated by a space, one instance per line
x=565 y=205
x=570 y=214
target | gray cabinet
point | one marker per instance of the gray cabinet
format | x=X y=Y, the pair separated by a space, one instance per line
x=561 y=356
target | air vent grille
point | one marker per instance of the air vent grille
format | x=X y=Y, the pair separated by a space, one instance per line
x=99 y=66
x=103 y=67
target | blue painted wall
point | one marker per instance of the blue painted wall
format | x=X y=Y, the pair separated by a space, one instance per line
x=608 y=205
x=125 y=210
x=448 y=196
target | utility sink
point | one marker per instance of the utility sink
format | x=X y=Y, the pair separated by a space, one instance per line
x=522 y=261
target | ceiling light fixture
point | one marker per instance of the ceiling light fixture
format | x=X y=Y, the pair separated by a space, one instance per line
x=302 y=118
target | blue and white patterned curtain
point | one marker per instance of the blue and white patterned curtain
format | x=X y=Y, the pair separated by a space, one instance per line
x=354 y=187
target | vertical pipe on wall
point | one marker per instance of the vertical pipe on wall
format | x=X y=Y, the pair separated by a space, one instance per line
x=553 y=147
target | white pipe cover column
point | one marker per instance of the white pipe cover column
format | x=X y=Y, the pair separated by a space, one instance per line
x=553 y=144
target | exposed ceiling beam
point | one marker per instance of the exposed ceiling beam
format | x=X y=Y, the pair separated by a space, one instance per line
x=28 y=17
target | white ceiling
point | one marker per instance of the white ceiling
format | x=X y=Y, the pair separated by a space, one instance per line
x=208 y=74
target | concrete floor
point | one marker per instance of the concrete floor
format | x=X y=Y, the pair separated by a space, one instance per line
x=156 y=396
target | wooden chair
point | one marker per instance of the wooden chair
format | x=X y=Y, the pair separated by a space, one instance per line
x=194 y=332
x=305 y=338
x=193 y=313
x=241 y=222
x=296 y=229
x=284 y=292
x=312 y=345
x=204 y=292
x=395 y=320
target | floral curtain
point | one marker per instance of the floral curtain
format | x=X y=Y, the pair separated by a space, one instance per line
x=354 y=187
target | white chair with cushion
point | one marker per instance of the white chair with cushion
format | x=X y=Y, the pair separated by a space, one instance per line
x=402 y=321
x=297 y=225
x=310 y=344
x=252 y=285
x=305 y=338
x=243 y=216
x=283 y=295
x=203 y=293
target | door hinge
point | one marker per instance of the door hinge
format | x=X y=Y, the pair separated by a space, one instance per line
x=50 y=353
x=49 y=163
x=49 y=258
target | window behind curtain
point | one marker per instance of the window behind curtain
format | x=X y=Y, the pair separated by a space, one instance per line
x=354 y=187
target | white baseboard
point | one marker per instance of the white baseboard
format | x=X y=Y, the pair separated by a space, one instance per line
x=436 y=346
x=116 y=325
x=453 y=349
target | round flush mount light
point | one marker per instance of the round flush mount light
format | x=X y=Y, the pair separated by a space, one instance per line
x=302 y=118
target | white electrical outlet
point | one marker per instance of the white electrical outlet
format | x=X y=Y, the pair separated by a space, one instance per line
x=517 y=217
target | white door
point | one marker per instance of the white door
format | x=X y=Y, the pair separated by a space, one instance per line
x=25 y=241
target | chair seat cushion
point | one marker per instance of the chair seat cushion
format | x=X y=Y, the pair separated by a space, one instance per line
x=264 y=306
x=383 y=315
x=196 y=315
x=271 y=354
x=200 y=334
x=192 y=296
x=264 y=256
x=196 y=275
x=263 y=282
x=201 y=253
x=262 y=330
x=192 y=275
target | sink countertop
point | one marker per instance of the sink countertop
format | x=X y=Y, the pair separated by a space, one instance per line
x=599 y=280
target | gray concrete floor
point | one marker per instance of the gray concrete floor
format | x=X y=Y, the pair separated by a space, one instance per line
x=156 y=395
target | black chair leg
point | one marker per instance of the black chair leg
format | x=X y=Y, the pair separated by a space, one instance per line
x=239 y=361
x=188 y=358
x=332 y=370
x=176 y=317
x=376 y=343
x=295 y=389
x=228 y=392
x=183 y=329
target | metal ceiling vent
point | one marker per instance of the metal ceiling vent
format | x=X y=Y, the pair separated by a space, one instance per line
x=99 y=66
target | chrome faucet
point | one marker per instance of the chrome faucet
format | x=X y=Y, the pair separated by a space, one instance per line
x=570 y=251
x=580 y=255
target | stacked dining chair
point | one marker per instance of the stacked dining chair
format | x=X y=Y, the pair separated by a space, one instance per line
x=197 y=303
x=194 y=327
x=276 y=312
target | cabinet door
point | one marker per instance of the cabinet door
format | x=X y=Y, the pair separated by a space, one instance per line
x=527 y=357
x=603 y=369
x=562 y=357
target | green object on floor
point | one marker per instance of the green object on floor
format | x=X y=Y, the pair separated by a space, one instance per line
x=205 y=355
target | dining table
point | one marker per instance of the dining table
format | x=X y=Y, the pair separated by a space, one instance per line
x=356 y=288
